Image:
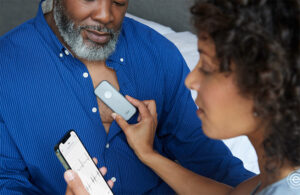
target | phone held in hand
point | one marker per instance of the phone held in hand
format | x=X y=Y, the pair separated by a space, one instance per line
x=115 y=100
x=73 y=155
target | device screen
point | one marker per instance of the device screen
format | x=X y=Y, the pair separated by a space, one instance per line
x=80 y=161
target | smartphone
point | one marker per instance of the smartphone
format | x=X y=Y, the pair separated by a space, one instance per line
x=73 y=155
x=115 y=100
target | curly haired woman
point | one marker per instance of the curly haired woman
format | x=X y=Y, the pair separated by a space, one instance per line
x=248 y=83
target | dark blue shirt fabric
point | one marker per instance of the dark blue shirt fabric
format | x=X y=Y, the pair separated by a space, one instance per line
x=43 y=94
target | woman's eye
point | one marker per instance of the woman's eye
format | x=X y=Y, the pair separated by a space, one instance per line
x=205 y=68
x=119 y=3
x=115 y=2
x=204 y=71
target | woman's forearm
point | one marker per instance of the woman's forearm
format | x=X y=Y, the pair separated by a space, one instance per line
x=182 y=180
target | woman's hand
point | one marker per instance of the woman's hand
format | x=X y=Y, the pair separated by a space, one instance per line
x=140 y=136
x=75 y=186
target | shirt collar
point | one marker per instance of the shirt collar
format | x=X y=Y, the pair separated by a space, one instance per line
x=119 y=57
x=46 y=32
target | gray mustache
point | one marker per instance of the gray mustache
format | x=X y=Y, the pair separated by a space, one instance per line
x=98 y=28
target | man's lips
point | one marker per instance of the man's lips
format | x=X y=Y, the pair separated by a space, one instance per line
x=98 y=37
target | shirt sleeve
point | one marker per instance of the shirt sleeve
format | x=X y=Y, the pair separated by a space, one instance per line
x=183 y=138
x=14 y=177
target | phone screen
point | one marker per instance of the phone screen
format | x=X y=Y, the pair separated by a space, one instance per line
x=80 y=161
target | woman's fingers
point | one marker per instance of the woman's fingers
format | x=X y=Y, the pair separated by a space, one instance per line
x=103 y=170
x=110 y=183
x=95 y=160
x=69 y=191
x=75 y=185
x=144 y=112
x=151 y=105
x=121 y=122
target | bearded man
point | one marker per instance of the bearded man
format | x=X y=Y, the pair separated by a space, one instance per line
x=50 y=66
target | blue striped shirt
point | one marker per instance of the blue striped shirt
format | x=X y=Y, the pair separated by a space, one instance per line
x=45 y=91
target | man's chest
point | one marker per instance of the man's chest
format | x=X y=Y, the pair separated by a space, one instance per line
x=98 y=74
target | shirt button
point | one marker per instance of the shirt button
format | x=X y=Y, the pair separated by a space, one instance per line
x=67 y=52
x=107 y=145
x=94 y=110
x=61 y=55
x=85 y=75
x=122 y=59
x=113 y=179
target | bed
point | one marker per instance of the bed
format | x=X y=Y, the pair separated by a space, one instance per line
x=186 y=42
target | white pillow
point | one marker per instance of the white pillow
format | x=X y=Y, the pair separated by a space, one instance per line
x=186 y=42
x=157 y=27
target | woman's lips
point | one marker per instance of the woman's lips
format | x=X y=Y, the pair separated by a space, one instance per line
x=98 y=37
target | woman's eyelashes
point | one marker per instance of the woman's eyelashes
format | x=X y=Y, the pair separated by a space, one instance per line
x=119 y=3
x=205 y=68
x=205 y=72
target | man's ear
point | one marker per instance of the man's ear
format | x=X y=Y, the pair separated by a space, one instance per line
x=47 y=6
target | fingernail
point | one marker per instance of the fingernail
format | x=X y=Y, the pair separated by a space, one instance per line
x=114 y=115
x=113 y=179
x=69 y=175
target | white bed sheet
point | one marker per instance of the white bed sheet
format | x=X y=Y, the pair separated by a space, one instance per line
x=186 y=42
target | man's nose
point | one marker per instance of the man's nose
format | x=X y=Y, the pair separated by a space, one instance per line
x=102 y=13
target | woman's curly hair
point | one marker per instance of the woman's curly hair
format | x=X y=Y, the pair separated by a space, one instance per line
x=261 y=37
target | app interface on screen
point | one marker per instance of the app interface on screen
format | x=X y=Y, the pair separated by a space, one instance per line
x=79 y=161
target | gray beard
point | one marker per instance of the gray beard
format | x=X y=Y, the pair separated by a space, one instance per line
x=90 y=51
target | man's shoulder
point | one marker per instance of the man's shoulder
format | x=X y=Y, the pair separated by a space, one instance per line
x=18 y=36
x=16 y=45
x=154 y=47
x=139 y=32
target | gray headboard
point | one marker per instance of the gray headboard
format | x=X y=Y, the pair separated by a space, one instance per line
x=15 y=12
x=173 y=13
